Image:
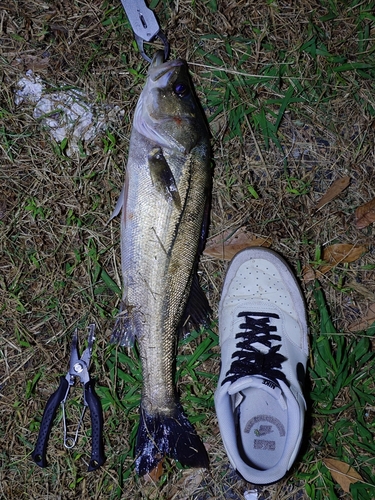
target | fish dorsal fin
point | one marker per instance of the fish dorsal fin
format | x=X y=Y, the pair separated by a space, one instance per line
x=162 y=177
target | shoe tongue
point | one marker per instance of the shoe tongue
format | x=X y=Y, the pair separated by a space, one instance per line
x=255 y=382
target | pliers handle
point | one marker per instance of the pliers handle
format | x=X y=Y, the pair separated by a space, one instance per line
x=78 y=368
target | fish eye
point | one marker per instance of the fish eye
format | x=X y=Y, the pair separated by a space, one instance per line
x=181 y=89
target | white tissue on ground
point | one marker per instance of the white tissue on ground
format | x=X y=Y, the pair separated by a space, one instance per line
x=66 y=113
x=251 y=495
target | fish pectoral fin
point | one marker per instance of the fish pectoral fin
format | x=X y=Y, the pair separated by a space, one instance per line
x=162 y=176
x=124 y=330
x=174 y=436
x=197 y=309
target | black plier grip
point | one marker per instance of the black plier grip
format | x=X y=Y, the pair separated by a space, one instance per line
x=97 y=448
x=39 y=453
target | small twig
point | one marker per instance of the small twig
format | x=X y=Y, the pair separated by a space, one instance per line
x=16 y=370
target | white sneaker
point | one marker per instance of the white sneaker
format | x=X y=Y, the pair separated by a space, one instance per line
x=263 y=336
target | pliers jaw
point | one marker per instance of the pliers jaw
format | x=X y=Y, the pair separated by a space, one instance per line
x=140 y=42
x=79 y=366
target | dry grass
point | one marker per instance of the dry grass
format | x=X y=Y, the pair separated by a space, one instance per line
x=55 y=242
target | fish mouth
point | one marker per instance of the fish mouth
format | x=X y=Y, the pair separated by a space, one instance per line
x=159 y=68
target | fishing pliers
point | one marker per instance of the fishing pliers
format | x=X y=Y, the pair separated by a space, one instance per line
x=79 y=367
x=145 y=26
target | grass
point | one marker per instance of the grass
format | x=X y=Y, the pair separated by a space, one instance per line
x=288 y=91
x=342 y=393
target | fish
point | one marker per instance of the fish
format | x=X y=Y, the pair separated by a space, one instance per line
x=164 y=209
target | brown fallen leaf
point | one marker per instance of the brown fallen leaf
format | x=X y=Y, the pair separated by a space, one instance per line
x=333 y=255
x=365 y=214
x=334 y=190
x=343 y=253
x=310 y=274
x=35 y=63
x=363 y=323
x=155 y=474
x=226 y=244
x=342 y=473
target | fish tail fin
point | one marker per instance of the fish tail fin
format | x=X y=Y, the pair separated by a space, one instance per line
x=174 y=436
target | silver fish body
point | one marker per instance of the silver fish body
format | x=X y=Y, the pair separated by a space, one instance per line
x=164 y=200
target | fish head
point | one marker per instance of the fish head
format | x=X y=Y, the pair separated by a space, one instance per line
x=168 y=112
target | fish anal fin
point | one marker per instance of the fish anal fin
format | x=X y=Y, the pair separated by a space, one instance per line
x=124 y=330
x=173 y=436
x=162 y=176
